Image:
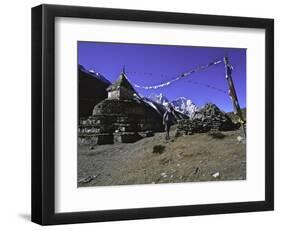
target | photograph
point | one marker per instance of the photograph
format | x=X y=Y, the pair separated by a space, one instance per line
x=170 y=112
x=150 y=114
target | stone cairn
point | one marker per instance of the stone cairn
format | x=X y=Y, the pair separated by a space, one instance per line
x=119 y=118
x=209 y=118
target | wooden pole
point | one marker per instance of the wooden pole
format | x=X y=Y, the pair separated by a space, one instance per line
x=232 y=93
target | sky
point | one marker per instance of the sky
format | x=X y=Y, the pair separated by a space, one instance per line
x=148 y=65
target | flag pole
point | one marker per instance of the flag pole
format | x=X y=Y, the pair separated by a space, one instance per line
x=232 y=93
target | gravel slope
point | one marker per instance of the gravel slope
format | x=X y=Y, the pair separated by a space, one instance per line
x=198 y=157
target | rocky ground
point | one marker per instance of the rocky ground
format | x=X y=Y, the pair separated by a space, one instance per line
x=198 y=157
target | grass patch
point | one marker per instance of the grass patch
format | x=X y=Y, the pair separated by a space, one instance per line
x=216 y=135
x=158 y=149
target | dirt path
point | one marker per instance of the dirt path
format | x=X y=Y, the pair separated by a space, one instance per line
x=198 y=157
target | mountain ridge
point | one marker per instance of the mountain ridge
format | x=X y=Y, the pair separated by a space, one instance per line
x=181 y=104
x=91 y=90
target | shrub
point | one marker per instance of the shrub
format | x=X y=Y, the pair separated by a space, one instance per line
x=158 y=149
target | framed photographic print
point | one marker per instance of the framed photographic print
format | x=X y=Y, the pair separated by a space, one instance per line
x=142 y=114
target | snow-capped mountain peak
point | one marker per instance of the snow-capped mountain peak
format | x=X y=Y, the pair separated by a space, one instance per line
x=160 y=99
x=181 y=104
x=185 y=106
x=94 y=74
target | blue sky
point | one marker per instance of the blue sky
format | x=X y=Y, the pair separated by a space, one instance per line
x=155 y=64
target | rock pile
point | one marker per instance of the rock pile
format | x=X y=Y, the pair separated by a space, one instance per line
x=209 y=118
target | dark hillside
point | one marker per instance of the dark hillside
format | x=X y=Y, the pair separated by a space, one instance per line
x=91 y=90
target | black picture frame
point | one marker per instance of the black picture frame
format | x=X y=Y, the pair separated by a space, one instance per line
x=43 y=110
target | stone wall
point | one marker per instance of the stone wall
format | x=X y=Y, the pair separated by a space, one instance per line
x=210 y=117
x=119 y=121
